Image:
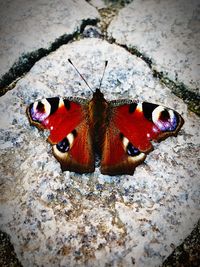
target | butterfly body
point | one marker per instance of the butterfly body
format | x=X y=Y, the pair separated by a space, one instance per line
x=120 y=132
x=98 y=110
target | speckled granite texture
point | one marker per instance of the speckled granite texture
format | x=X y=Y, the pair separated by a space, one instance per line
x=65 y=219
x=167 y=32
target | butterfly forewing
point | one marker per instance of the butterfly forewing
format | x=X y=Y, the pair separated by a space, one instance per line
x=69 y=131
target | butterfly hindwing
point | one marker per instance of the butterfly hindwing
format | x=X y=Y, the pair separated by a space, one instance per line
x=119 y=156
x=69 y=132
x=130 y=129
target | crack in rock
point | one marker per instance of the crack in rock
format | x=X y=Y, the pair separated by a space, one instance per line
x=27 y=60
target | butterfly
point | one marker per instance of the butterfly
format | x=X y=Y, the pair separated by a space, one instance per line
x=119 y=132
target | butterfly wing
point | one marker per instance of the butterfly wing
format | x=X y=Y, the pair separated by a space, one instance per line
x=66 y=119
x=130 y=129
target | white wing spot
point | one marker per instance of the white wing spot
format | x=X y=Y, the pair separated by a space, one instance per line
x=70 y=138
x=139 y=107
x=47 y=107
x=156 y=114
x=125 y=142
x=61 y=102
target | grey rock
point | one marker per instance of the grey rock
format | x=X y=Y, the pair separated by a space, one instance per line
x=7 y=254
x=165 y=31
x=187 y=254
x=92 y=32
x=66 y=219
x=27 y=26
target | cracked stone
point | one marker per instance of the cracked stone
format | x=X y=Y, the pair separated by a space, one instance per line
x=165 y=31
x=28 y=26
x=66 y=219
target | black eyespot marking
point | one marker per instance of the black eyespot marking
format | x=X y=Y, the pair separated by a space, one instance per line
x=30 y=108
x=132 y=151
x=63 y=146
x=40 y=107
x=132 y=107
x=67 y=104
x=148 y=109
x=164 y=115
x=54 y=102
x=121 y=136
x=74 y=132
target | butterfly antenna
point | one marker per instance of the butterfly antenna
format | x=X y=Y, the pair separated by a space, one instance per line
x=106 y=63
x=80 y=75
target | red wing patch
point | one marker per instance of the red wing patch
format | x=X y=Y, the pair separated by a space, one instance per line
x=69 y=133
x=143 y=122
x=59 y=116
x=130 y=129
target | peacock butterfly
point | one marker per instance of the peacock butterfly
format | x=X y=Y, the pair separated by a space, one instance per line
x=120 y=132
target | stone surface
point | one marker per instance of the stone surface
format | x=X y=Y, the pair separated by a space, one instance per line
x=187 y=254
x=7 y=255
x=26 y=26
x=165 y=31
x=66 y=219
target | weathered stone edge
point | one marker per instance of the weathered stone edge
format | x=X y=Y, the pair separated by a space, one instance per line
x=188 y=253
x=8 y=256
x=27 y=60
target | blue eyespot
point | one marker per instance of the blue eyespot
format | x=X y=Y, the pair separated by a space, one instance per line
x=38 y=113
x=168 y=124
x=132 y=151
x=63 y=146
